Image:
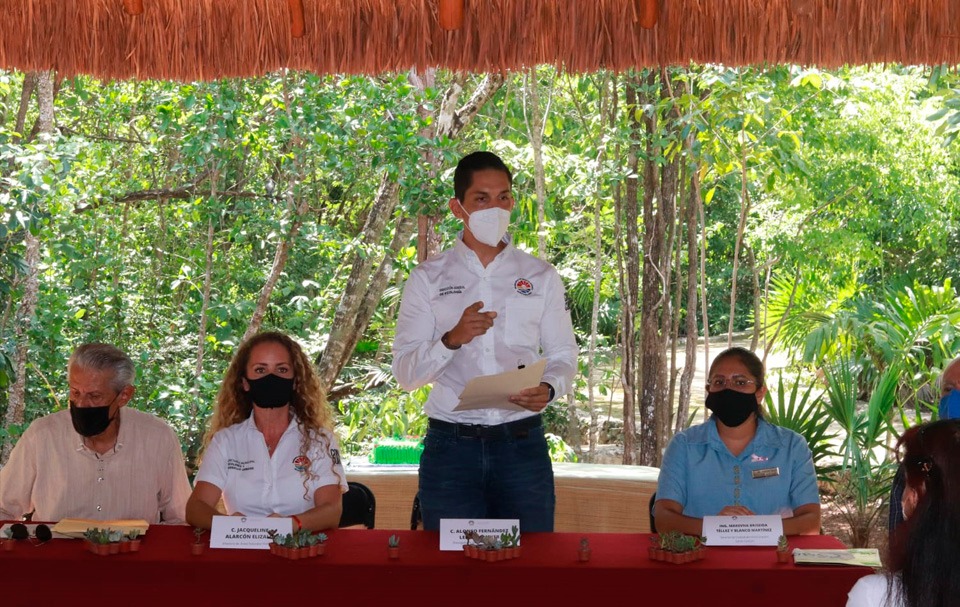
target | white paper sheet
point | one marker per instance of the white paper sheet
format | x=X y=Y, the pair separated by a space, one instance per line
x=494 y=391
x=758 y=530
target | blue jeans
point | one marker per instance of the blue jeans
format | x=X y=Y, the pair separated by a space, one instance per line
x=473 y=477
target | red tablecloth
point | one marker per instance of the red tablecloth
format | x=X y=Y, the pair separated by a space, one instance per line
x=355 y=570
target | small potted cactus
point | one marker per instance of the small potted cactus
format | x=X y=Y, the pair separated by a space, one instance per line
x=393 y=547
x=676 y=547
x=297 y=545
x=583 y=552
x=133 y=539
x=197 y=547
x=783 y=550
x=102 y=541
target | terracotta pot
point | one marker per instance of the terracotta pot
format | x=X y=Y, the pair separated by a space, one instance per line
x=197 y=549
x=8 y=544
x=125 y=547
x=701 y=554
x=313 y=550
x=583 y=555
x=321 y=549
x=783 y=557
x=134 y=545
x=114 y=547
x=517 y=551
x=103 y=549
x=393 y=552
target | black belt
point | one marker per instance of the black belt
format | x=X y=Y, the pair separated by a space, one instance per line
x=518 y=429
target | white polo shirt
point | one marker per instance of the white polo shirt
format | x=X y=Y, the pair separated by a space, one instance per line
x=238 y=463
x=532 y=322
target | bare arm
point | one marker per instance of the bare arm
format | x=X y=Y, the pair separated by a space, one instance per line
x=326 y=513
x=202 y=505
x=670 y=517
x=805 y=521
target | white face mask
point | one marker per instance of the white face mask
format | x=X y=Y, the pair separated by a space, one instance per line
x=489 y=225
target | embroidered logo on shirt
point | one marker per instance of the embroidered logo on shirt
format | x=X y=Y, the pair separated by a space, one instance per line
x=235 y=464
x=452 y=290
x=335 y=456
x=758 y=458
x=523 y=286
x=301 y=463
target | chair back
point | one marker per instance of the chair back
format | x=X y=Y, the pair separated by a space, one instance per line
x=359 y=506
x=653 y=522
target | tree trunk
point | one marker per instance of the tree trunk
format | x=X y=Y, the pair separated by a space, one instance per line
x=27 y=308
x=659 y=203
x=703 y=287
x=690 y=352
x=535 y=122
x=741 y=227
x=363 y=292
x=755 y=273
x=356 y=290
x=630 y=278
x=291 y=195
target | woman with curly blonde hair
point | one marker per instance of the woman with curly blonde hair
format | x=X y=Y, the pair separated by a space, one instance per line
x=270 y=449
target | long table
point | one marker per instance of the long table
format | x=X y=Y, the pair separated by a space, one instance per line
x=356 y=571
x=600 y=498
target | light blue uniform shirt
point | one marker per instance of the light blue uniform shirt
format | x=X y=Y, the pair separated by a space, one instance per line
x=773 y=475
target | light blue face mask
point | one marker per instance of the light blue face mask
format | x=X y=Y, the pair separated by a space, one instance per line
x=950 y=405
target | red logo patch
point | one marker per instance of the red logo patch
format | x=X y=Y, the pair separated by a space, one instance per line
x=301 y=463
x=523 y=286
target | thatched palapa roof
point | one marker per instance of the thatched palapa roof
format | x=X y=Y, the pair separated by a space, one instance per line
x=207 y=39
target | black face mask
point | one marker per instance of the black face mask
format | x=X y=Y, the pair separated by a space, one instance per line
x=270 y=391
x=90 y=421
x=732 y=408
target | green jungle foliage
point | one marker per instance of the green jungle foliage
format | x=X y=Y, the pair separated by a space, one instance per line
x=850 y=231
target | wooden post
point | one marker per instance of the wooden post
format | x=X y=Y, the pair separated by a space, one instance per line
x=296 y=18
x=133 y=7
x=451 y=14
x=649 y=13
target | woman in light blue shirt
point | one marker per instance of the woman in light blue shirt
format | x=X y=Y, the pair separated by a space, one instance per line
x=737 y=463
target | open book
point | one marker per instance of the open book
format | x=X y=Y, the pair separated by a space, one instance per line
x=865 y=557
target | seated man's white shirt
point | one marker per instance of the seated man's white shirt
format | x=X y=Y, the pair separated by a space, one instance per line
x=238 y=463
x=53 y=474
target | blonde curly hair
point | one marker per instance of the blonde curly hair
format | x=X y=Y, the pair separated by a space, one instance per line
x=309 y=403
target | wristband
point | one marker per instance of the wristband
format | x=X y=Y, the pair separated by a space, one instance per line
x=446 y=342
x=296 y=519
x=552 y=392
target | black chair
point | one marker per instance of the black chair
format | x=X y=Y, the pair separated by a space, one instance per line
x=416 y=515
x=359 y=506
x=653 y=522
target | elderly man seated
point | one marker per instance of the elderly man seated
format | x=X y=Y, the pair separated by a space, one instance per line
x=97 y=460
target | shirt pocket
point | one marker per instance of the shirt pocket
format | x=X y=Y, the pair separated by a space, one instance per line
x=523 y=321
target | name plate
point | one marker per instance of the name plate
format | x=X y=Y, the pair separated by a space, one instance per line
x=452 y=530
x=742 y=530
x=247 y=532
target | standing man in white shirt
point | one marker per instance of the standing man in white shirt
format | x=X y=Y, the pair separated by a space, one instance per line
x=480 y=308
x=98 y=459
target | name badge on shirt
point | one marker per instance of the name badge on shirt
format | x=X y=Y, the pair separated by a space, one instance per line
x=765 y=472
